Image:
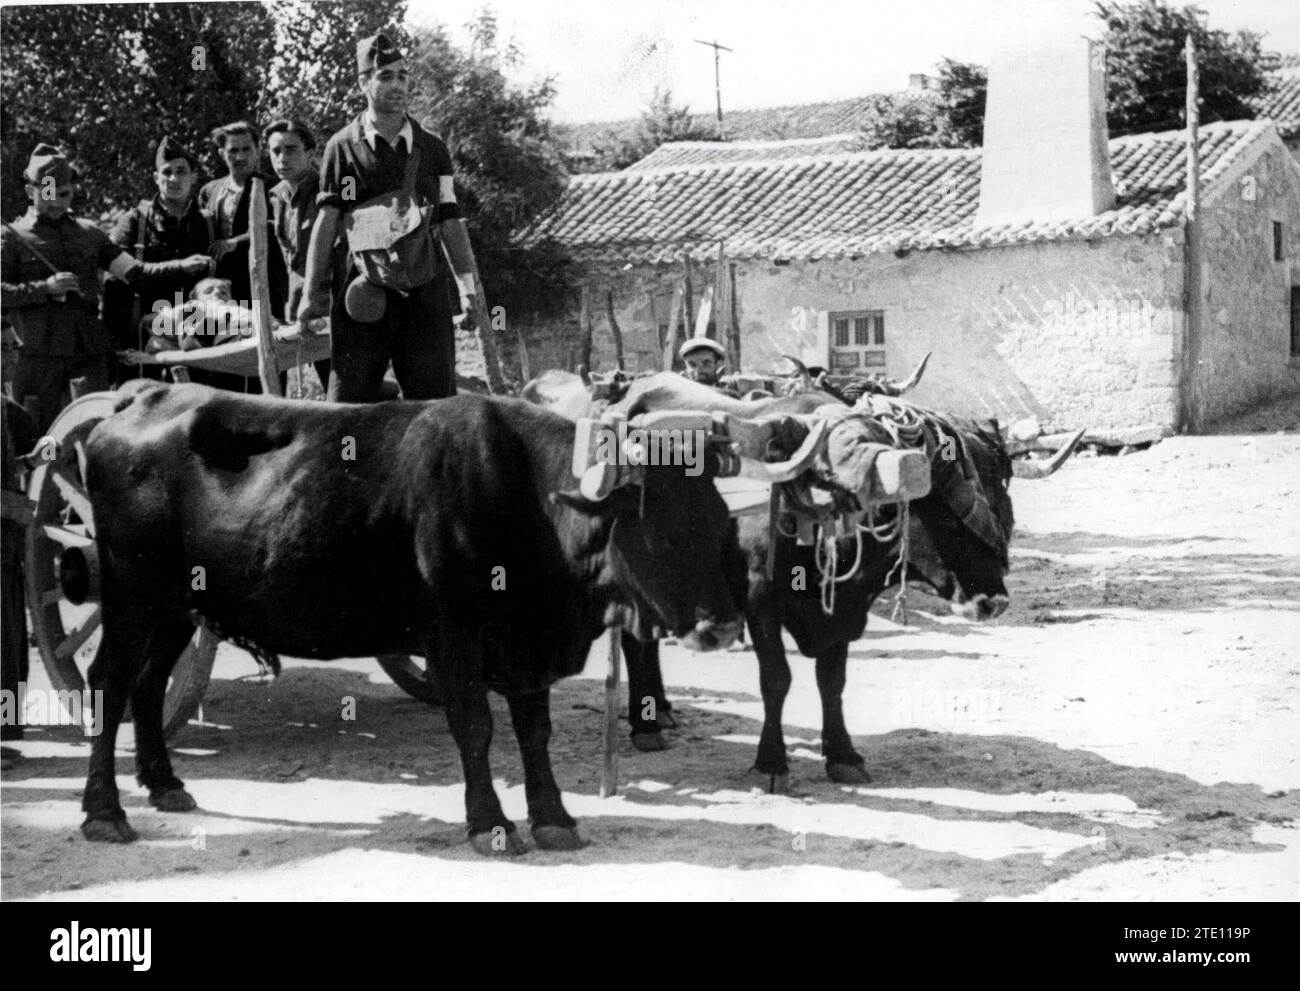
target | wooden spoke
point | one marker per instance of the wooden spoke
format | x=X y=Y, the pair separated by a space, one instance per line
x=66 y=536
x=75 y=496
x=80 y=446
x=77 y=638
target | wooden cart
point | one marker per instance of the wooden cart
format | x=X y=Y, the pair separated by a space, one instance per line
x=60 y=557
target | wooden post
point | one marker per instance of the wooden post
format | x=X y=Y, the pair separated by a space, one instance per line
x=674 y=325
x=614 y=329
x=609 y=769
x=259 y=275
x=492 y=361
x=725 y=296
x=688 y=291
x=585 y=328
x=705 y=316
x=1190 y=411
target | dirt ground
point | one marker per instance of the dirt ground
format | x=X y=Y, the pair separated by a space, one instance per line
x=1129 y=730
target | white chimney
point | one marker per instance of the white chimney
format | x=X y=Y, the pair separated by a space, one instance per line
x=1045 y=140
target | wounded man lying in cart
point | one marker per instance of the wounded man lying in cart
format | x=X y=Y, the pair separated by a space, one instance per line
x=207 y=318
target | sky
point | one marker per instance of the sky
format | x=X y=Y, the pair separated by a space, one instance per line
x=606 y=58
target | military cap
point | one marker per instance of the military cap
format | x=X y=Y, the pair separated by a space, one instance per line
x=376 y=52
x=168 y=150
x=48 y=161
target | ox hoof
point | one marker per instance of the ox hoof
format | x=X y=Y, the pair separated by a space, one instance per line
x=848 y=774
x=772 y=784
x=667 y=720
x=498 y=843
x=557 y=838
x=108 y=831
x=172 y=800
x=648 y=743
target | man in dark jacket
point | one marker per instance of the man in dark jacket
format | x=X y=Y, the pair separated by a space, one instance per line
x=290 y=146
x=167 y=227
x=49 y=286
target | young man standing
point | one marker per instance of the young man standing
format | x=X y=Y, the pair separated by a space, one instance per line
x=289 y=144
x=365 y=161
x=49 y=287
x=165 y=228
x=226 y=199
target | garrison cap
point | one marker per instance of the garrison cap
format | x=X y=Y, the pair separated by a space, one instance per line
x=48 y=161
x=169 y=150
x=376 y=52
x=702 y=343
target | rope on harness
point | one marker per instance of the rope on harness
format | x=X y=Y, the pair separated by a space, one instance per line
x=828 y=566
x=899 y=612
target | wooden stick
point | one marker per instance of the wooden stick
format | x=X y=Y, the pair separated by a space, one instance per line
x=728 y=329
x=674 y=325
x=609 y=769
x=259 y=275
x=705 y=315
x=585 y=329
x=614 y=329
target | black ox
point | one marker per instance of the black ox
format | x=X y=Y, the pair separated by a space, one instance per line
x=445 y=529
x=959 y=536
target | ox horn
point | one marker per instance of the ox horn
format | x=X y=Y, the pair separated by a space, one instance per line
x=805 y=377
x=751 y=443
x=911 y=381
x=1042 y=469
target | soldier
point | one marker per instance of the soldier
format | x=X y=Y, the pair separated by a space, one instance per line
x=167 y=227
x=384 y=160
x=18 y=437
x=49 y=285
x=290 y=146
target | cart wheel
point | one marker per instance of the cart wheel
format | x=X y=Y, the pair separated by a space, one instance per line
x=68 y=635
x=414 y=676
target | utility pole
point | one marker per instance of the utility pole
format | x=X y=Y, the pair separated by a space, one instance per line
x=1190 y=393
x=717 y=75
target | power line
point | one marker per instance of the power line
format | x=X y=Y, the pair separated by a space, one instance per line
x=717 y=77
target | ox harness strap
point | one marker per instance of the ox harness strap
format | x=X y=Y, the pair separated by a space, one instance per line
x=823 y=521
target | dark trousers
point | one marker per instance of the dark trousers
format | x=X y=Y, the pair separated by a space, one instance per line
x=13 y=617
x=415 y=332
x=46 y=377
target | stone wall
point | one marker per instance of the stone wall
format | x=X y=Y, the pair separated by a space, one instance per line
x=1246 y=333
x=1074 y=333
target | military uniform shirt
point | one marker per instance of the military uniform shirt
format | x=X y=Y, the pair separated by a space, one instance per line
x=70 y=328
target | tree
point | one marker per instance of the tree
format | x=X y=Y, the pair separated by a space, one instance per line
x=902 y=120
x=963 y=87
x=661 y=121
x=313 y=73
x=508 y=165
x=106 y=81
x=1146 y=75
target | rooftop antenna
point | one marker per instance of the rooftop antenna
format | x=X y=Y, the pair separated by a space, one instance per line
x=717 y=77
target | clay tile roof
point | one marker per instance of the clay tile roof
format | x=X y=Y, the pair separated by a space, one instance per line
x=1281 y=103
x=677 y=153
x=850 y=203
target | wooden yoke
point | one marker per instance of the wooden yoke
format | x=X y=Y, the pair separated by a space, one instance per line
x=259 y=277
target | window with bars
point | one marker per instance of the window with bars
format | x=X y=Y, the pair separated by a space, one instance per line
x=857 y=341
